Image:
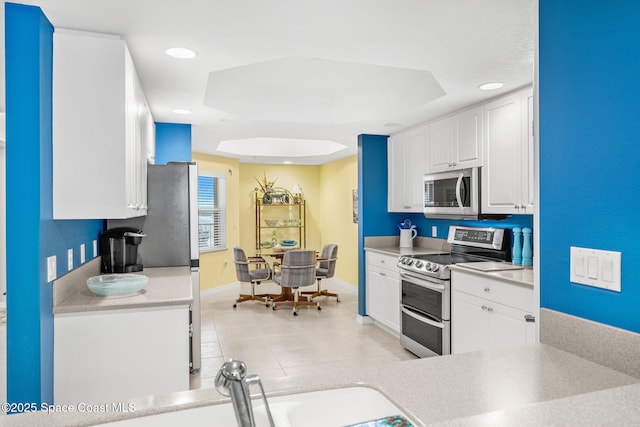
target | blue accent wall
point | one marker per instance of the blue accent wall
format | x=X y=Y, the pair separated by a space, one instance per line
x=32 y=234
x=589 y=152
x=173 y=143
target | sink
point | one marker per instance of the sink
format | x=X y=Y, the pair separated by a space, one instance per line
x=336 y=407
x=123 y=284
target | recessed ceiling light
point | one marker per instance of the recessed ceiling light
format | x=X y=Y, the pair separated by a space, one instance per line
x=491 y=86
x=181 y=111
x=287 y=162
x=181 y=53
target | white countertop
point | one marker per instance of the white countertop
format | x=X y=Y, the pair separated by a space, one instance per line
x=521 y=383
x=522 y=276
x=166 y=286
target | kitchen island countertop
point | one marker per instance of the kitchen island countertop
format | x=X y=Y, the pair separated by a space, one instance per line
x=492 y=387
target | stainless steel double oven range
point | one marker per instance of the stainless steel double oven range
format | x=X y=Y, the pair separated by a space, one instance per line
x=426 y=286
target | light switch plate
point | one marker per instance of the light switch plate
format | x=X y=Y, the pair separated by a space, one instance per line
x=594 y=267
x=51 y=268
x=434 y=231
x=83 y=254
x=95 y=248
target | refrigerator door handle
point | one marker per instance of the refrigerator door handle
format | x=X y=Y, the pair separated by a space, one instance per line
x=193 y=212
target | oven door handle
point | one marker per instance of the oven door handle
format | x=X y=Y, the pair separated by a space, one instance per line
x=423 y=319
x=422 y=281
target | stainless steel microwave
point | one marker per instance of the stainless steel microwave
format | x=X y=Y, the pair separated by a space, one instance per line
x=452 y=194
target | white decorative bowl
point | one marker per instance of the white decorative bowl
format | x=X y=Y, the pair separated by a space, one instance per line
x=272 y=222
x=107 y=285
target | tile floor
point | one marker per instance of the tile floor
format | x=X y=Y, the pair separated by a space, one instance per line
x=276 y=343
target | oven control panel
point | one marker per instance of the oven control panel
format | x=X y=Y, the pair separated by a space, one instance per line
x=482 y=237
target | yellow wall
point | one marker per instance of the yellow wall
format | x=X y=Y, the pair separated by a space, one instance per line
x=327 y=192
x=339 y=179
x=216 y=268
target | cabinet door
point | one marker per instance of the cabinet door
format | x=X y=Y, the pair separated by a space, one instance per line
x=96 y=125
x=407 y=165
x=501 y=181
x=383 y=297
x=396 y=148
x=527 y=198
x=469 y=323
x=124 y=354
x=508 y=326
x=468 y=147
x=441 y=140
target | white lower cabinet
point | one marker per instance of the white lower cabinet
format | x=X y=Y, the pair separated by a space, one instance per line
x=383 y=290
x=488 y=313
x=114 y=355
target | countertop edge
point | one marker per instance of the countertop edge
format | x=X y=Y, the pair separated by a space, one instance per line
x=81 y=300
x=409 y=385
x=502 y=275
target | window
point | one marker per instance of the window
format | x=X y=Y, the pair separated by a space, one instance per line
x=212 y=212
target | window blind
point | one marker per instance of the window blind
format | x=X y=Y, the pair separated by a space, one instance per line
x=212 y=212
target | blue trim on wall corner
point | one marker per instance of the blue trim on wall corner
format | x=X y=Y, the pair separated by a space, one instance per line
x=32 y=234
x=372 y=201
x=173 y=143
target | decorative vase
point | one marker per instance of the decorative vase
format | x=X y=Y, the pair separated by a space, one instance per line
x=516 y=251
x=527 y=256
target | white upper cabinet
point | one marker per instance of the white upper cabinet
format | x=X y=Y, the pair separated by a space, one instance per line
x=508 y=178
x=103 y=132
x=407 y=163
x=456 y=141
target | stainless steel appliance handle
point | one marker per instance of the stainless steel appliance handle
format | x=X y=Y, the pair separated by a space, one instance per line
x=423 y=281
x=422 y=319
x=458 y=188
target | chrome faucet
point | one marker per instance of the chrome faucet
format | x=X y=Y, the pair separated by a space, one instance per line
x=232 y=380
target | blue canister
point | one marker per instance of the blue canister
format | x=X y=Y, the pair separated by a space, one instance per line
x=527 y=256
x=516 y=250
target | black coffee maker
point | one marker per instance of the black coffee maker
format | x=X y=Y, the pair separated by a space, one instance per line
x=119 y=250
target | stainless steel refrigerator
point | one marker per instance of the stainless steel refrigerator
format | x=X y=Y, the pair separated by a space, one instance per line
x=171 y=232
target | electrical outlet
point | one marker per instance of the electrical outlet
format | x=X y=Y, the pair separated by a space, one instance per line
x=69 y=259
x=82 y=254
x=51 y=268
x=95 y=248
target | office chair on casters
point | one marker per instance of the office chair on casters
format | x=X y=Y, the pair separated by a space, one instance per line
x=298 y=269
x=254 y=276
x=325 y=270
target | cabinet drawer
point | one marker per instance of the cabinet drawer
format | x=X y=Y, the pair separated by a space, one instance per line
x=388 y=262
x=510 y=294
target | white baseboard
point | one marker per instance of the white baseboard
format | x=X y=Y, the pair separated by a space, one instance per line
x=218 y=289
